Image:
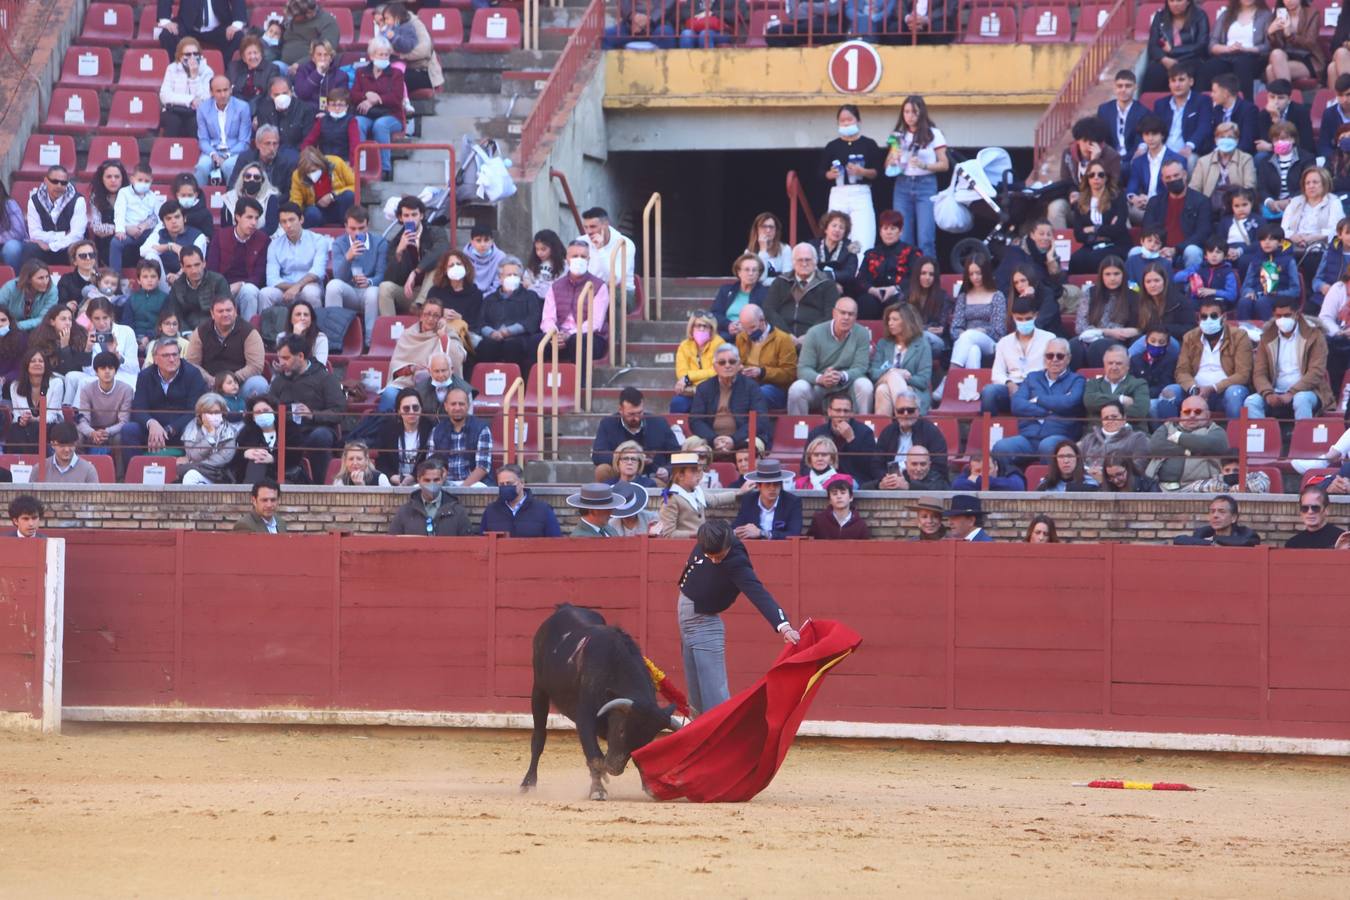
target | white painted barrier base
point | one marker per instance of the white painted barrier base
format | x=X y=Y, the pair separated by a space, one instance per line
x=976 y=734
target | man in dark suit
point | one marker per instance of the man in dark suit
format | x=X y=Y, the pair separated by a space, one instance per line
x=214 y=23
x=263 y=518
x=1229 y=107
x=166 y=393
x=26 y=512
x=1185 y=114
x=1121 y=115
x=1281 y=108
x=768 y=512
x=908 y=430
x=854 y=438
x=743 y=397
x=1185 y=215
x=1145 y=179
x=1334 y=116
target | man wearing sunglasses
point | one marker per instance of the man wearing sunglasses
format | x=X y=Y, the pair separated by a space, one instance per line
x=1187 y=451
x=57 y=217
x=1318 y=533
x=1049 y=408
x=1215 y=363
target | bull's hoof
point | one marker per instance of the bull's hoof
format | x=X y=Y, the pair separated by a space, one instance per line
x=526 y=787
x=598 y=794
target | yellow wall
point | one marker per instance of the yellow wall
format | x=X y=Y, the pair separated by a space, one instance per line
x=947 y=76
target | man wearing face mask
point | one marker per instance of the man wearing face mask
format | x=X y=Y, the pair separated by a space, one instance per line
x=561 y=304
x=440 y=380
x=1016 y=355
x=511 y=320
x=1185 y=215
x=1215 y=363
x=314 y=402
x=292 y=118
x=415 y=255
x=431 y=511
x=515 y=512
x=1290 y=366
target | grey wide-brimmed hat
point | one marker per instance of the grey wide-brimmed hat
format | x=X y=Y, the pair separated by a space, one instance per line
x=595 y=496
x=767 y=471
x=634 y=496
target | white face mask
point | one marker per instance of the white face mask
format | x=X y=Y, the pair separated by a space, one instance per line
x=577 y=265
x=212 y=420
x=187 y=202
x=1285 y=324
x=314 y=176
x=456 y=272
x=510 y=283
x=282 y=102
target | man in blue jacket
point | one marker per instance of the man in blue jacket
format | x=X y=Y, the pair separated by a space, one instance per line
x=1145 y=178
x=166 y=394
x=1229 y=107
x=630 y=423
x=769 y=512
x=1185 y=215
x=515 y=512
x=1048 y=406
x=1186 y=114
x=1123 y=114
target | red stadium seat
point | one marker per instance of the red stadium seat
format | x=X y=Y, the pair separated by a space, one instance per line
x=789 y=435
x=876 y=326
x=1045 y=23
x=10 y=460
x=876 y=423
x=494 y=30
x=103 y=465
x=143 y=69
x=1091 y=16
x=991 y=24
x=949 y=283
x=760 y=20
x=445 y=27
x=493 y=380
x=134 y=112
x=1000 y=427
x=951 y=433
x=346 y=29
x=104 y=147
x=1274 y=474
x=961 y=391
x=41 y=153
x=6 y=274
x=334 y=470
x=73 y=111
x=259 y=13
x=86 y=67
x=385 y=334
x=1143 y=19
x=679 y=426
x=566 y=378
x=108 y=25
x=173 y=154
x=1313 y=437
x=1330 y=15
x=145 y=33
x=1214 y=9
x=726 y=473
x=1261 y=438
x=213 y=58
x=137 y=465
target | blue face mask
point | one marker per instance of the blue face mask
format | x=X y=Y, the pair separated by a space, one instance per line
x=380 y=64
x=1226 y=145
x=506 y=493
x=1149 y=254
x=265 y=420
x=848 y=130
x=757 y=335
x=1027 y=327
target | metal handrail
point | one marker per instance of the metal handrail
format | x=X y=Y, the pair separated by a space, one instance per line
x=561 y=177
x=797 y=196
x=512 y=422
x=651 y=213
x=551 y=338
x=585 y=346
x=365 y=146
x=618 y=349
x=582 y=47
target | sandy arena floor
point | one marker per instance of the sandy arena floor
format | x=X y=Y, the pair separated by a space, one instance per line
x=179 y=812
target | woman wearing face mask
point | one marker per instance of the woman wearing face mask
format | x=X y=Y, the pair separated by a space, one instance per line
x=378 y=93
x=1225 y=170
x=1109 y=315
x=850 y=163
x=1112 y=434
x=196 y=212
x=324 y=187
x=304 y=321
x=357 y=469
x=1279 y=176
x=452 y=283
x=106 y=334
x=410 y=39
x=510 y=329
x=251 y=181
x=902 y=360
x=256 y=444
x=1066 y=473
x=694 y=359
x=405 y=439
x=1100 y=220
x=208 y=444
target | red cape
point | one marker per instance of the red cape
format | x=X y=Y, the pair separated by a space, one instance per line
x=732 y=752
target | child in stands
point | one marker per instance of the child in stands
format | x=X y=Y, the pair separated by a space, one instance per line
x=1215 y=277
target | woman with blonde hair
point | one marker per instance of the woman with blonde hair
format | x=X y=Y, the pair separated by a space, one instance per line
x=903 y=359
x=357 y=468
x=628 y=463
x=766 y=242
x=822 y=464
x=324 y=187
x=708 y=475
x=186 y=85
x=209 y=443
x=694 y=359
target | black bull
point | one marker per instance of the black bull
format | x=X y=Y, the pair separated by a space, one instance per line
x=595 y=675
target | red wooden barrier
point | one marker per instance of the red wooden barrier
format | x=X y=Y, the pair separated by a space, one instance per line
x=30 y=613
x=1099 y=636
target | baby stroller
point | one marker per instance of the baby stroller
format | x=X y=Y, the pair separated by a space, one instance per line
x=985 y=197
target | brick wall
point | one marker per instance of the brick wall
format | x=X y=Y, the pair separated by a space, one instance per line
x=1148 y=518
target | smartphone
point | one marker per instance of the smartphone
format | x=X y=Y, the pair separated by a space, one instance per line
x=892 y=468
x=409 y=227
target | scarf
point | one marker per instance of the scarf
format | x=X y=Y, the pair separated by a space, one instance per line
x=484 y=266
x=414 y=348
x=695 y=498
x=53 y=207
x=818 y=479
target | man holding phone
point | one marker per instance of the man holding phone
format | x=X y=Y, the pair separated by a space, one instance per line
x=359 y=262
x=420 y=247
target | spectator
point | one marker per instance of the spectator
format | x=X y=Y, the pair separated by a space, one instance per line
x=1066 y=474
x=1223 y=529
x=305 y=24
x=297 y=261
x=25 y=513
x=1123 y=114
x=604 y=243
x=980 y=317
x=562 y=305
x=821 y=463
x=412 y=42
x=1016 y=355
x=1280 y=108
x=1121 y=475
x=167 y=243
x=1228 y=168
x=186 y=86
x=323 y=187
x=1278 y=176
x=935 y=305
x=1215 y=364
x=886 y=268
x=510 y=327
x=547 y=261
x=720 y=413
x=217 y=23
x=334 y=133
x=1309 y=221
x=452 y=283
x=188 y=193
x=1091 y=143
x=632 y=519
x=928 y=513
x=416 y=347
x=1161 y=302
x=26 y=391
x=972 y=476
x=798 y=301
x=873 y=18
x=834 y=359
x=302 y=321
x=64 y=466
x=515 y=512
x=1145 y=179
x=135 y=215
x=314 y=400
x=1318 y=533
x=319 y=75
x=836 y=255
x=732 y=298
x=855 y=444
x=257 y=444
x=228 y=343
x=224 y=131
x=283 y=122
x=1184 y=214
x=240 y=257
x=251 y=183
x=105 y=334
x=12 y=344
x=838 y=521
x=627 y=465
x=14 y=244
x=1100 y=220
x=1187 y=451
x=713 y=24
x=463 y=441
x=166 y=394
x=1049 y=407
x=1112 y=436
x=965 y=519
x=378 y=93
x=357 y=469
x=907 y=431
x=1186 y=114
x=419 y=248
x=1232 y=110
x=1041 y=530
x=82 y=256
x=769 y=353
x=694 y=359
x=902 y=359
x=1289 y=369
x=1334 y=317
x=850 y=164
x=597 y=503
x=143 y=304
x=208 y=443
x=918 y=154
x=768 y=511
x=405 y=439
x=358 y=263
x=935 y=23
x=1178 y=32
x=103 y=407
x=66 y=344
x=263 y=518
x=251 y=72
x=766 y=244
x=918 y=474
x=743 y=466
x=1335 y=263
x=684 y=503
x=1335 y=115
x=166 y=326
x=1117 y=385
x=710 y=480
x=484 y=257
x=1240 y=43
x=648 y=23
x=1216 y=278
x=29 y=295
x=267 y=155
x=651 y=433
x=1272 y=277
x=193 y=294
x=57 y=217
x=109 y=179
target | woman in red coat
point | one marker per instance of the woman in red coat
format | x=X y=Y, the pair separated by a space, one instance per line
x=838 y=521
x=378 y=94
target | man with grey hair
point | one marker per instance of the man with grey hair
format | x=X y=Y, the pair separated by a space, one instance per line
x=1049 y=408
x=511 y=317
x=834 y=357
x=802 y=298
x=720 y=412
x=266 y=152
x=560 y=312
x=769 y=355
x=166 y=394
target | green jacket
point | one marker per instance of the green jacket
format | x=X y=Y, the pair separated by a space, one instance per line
x=11 y=298
x=820 y=351
x=1098 y=391
x=584 y=530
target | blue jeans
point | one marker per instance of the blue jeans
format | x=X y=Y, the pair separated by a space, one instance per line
x=1305 y=405
x=703 y=642
x=333 y=214
x=1015 y=450
x=680 y=404
x=117 y=252
x=995 y=399
x=774 y=396
x=692 y=40
x=1168 y=404
x=617 y=36
x=1261 y=307
x=913 y=199
x=384 y=129
x=204 y=167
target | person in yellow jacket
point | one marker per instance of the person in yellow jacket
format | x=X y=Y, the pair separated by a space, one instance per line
x=324 y=187
x=694 y=359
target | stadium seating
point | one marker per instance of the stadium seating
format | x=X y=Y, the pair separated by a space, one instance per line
x=1035 y=474
x=961 y=391
x=143 y=69
x=133 y=112
x=1261 y=438
x=1000 y=427
x=44 y=151
x=445 y=27
x=136 y=466
x=73 y=111
x=385 y=335
x=1313 y=437
x=492 y=381
x=789 y=436
x=566 y=379
x=494 y=30
x=1044 y=23
x=991 y=24
x=86 y=67
x=103 y=147
x=108 y=24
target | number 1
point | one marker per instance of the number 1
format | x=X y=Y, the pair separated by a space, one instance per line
x=851 y=59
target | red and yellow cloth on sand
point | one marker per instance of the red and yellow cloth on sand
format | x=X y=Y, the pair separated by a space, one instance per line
x=731 y=752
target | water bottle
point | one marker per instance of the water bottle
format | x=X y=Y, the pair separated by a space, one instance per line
x=892 y=156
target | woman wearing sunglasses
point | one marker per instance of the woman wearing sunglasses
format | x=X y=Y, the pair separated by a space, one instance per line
x=1099 y=219
x=84 y=257
x=251 y=181
x=186 y=85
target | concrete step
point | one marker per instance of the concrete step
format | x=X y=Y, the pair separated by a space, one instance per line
x=665 y=331
x=640 y=377
x=654 y=354
x=559 y=472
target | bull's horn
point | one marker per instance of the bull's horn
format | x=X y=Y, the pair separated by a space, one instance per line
x=617 y=703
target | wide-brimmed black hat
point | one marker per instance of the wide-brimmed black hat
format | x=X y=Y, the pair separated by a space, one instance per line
x=767 y=471
x=965 y=505
x=596 y=496
x=634 y=496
